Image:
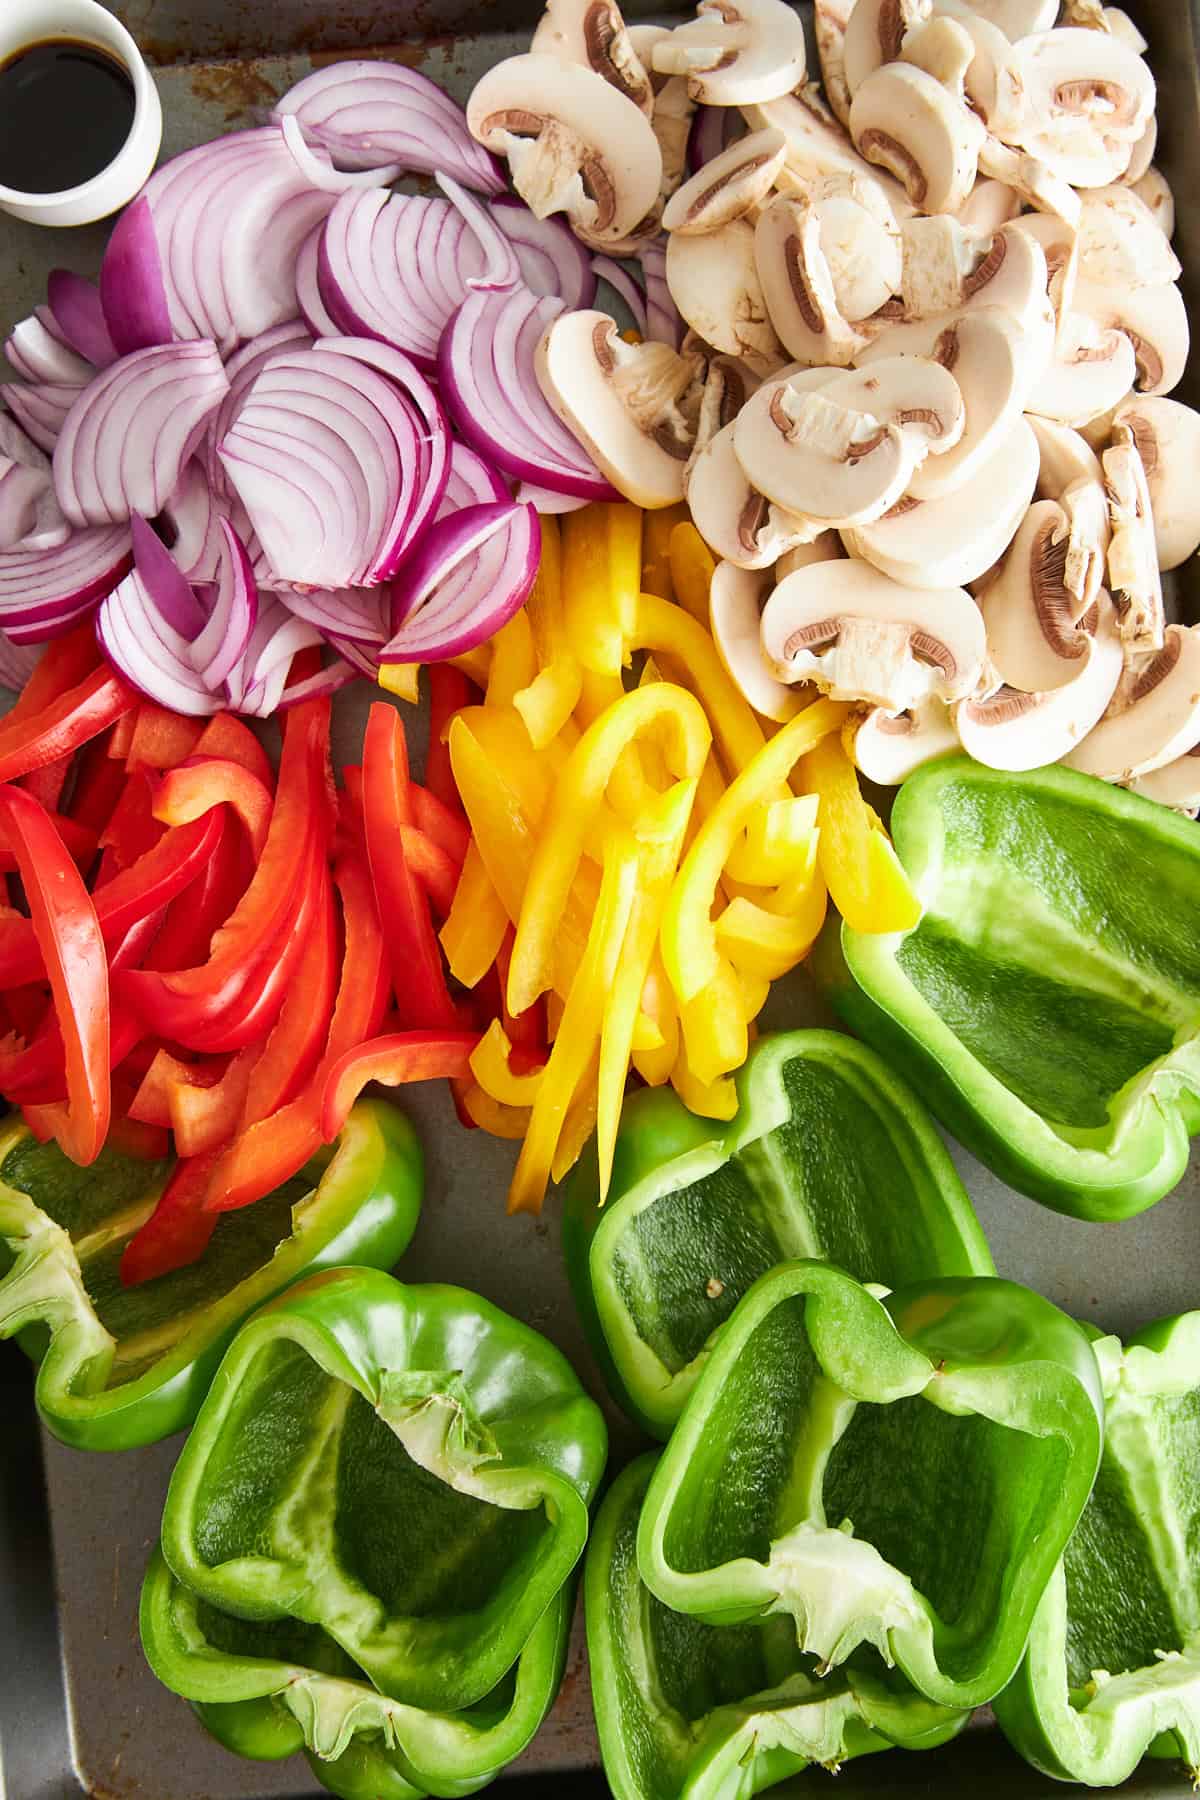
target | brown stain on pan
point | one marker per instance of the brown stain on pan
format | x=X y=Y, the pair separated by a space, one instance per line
x=240 y=88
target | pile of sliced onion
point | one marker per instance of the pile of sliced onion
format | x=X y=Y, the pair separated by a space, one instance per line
x=467 y=578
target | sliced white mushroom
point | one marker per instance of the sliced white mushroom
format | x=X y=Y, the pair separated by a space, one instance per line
x=1066 y=457
x=1037 y=632
x=1035 y=181
x=1176 y=784
x=592 y=34
x=818 y=146
x=1167 y=435
x=991 y=83
x=735 y=604
x=860 y=241
x=632 y=406
x=728 y=186
x=956 y=539
x=1120 y=244
x=1090 y=97
x=889 y=747
x=989 y=205
x=736 y=52
x=797 y=284
x=1010 y=728
x=831 y=463
x=830 y=18
x=946 y=267
x=938 y=256
x=827 y=546
x=858 y=636
x=728 y=384
x=574 y=144
x=1085 y=504
x=916 y=393
x=714 y=282
x=1155 y=321
x=1096 y=17
x=1142 y=154
x=1154 y=189
x=737 y=523
x=1132 y=552
x=1017 y=18
x=945 y=49
x=1091 y=371
x=905 y=120
x=1059 y=243
x=1154 y=715
x=986 y=353
x=875 y=34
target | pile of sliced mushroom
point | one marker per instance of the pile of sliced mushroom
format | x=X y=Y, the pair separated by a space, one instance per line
x=933 y=316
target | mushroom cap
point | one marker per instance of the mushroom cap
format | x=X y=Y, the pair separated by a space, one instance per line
x=592 y=33
x=1036 y=641
x=874 y=35
x=858 y=636
x=889 y=747
x=818 y=146
x=1091 y=371
x=1154 y=190
x=988 y=206
x=1066 y=457
x=1120 y=243
x=1167 y=435
x=1059 y=242
x=904 y=119
x=991 y=83
x=737 y=523
x=728 y=186
x=1016 y=730
x=986 y=353
x=1154 y=715
x=1090 y=96
x=574 y=143
x=956 y=538
x=1018 y=18
x=807 y=453
x=919 y=395
x=860 y=242
x=1133 y=574
x=736 y=52
x=1039 y=185
x=735 y=603
x=728 y=384
x=622 y=401
x=1176 y=784
x=830 y=18
x=1154 y=319
x=714 y=282
x=797 y=283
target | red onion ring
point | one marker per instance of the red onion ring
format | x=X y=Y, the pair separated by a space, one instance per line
x=713 y=129
x=552 y=259
x=44 y=591
x=663 y=323
x=313 y=310
x=79 y=315
x=353 y=615
x=317 y=168
x=468 y=576
x=41 y=407
x=625 y=287
x=192 y=517
x=233 y=615
x=133 y=293
x=546 y=500
x=471 y=482
x=241 y=372
x=37 y=355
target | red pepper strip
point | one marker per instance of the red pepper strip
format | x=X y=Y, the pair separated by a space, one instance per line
x=41 y=1121
x=449 y=830
x=122 y=736
x=149 y=884
x=296 y=1045
x=79 y=841
x=25 y=1006
x=418 y=980
x=178 y=1231
x=150 y=1104
x=131 y=831
x=274 y=1149
x=449 y=692
x=74 y=718
x=204 y=1116
x=148 y=1143
x=189 y=790
x=409 y=1056
x=437 y=873
x=47 y=783
x=63 y=665
x=99 y=784
x=460 y=1087
x=68 y=935
x=161 y=739
x=36 y=1073
x=197 y=915
x=130 y=951
x=226 y=737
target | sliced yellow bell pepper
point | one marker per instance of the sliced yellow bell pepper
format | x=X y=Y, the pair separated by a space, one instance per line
x=689 y=943
x=769 y=937
x=629 y=789
x=755 y=989
x=655 y=1059
x=514 y=663
x=401 y=679
x=578 y=1127
x=692 y=657
x=492 y=1115
x=862 y=872
x=573 y=805
x=602 y=572
x=715 y=1039
x=692 y=568
x=553 y=693
x=474 y=664
x=656 y=549
x=780 y=839
x=476 y=923
x=489 y=1065
x=528 y=772
x=711 y=1100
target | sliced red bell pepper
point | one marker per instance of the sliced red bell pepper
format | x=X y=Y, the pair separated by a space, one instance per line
x=148 y=1143
x=47 y=783
x=196 y=916
x=394 y=1061
x=295 y=1047
x=132 y=829
x=121 y=736
x=67 y=930
x=418 y=979
x=525 y=1031
x=131 y=950
x=437 y=873
x=204 y=1116
x=179 y=1230
x=25 y=1005
x=99 y=784
x=227 y=737
x=80 y=841
x=81 y=713
x=449 y=692
x=190 y=789
x=35 y=1073
x=63 y=665
x=161 y=739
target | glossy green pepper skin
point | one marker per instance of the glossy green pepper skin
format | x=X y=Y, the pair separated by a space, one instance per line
x=1125 y=1599
x=901 y=1473
x=269 y=1690
x=1046 y=1004
x=406 y=1467
x=121 y=1367
x=829 y=1155
x=687 y=1711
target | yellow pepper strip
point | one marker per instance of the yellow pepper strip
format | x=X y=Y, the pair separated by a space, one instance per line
x=475 y=664
x=656 y=549
x=711 y=1100
x=573 y=805
x=602 y=571
x=767 y=939
x=714 y=1027
x=673 y=633
x=554 y=1013
x=514 y=664
x=528 y=772
x=489 y=1065
x=692 y=570
x=492 y=1115
x=401 y=679
x=780 y=838
x=476 y=923
x=689 y=941
x=659 y=861
x=552 y=695
x=578 y=1127
x=654 y=1061
x=861 y=870
x=755 y=989
x=631 y=791
x=574 y=1048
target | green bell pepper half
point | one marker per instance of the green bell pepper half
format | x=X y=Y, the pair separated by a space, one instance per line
x=688 y=1711
x=1048 y=1003
x=406 y=1467
x=269 y=1690
x=121 y=1367
x=829 y=1155
x=903 y=1473
x=1112 y=1670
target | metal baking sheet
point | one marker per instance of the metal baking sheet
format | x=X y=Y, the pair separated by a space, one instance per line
x=79 y=1710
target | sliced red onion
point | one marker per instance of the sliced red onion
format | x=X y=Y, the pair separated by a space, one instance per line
x=487 y=380
x=367 y=114
x=37 y=355
x=713 y=129
x=329 y=680
x=17 y=662
x=663 y=323
x=308 y=288
x=192 y=517
x=133 y=293
x=79 y=315
x=149 y=652
x=331 y=463
x=500 y=266
x=44 y=591
x=233 y=615
x=41 y=407
x=21 y=491
x=164 y=581
x=472 y=481
x=625 y=287
x=360 y=659
x=354 y=615
x=546 y=500
x=257 y=681
x=126 y=439
x=552 y=259
x=467 y=577
x=242 y=371
x=317 y=168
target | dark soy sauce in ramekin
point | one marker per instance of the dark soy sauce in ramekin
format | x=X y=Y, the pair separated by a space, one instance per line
x=66 y=108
